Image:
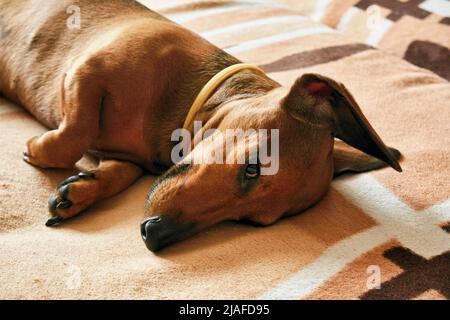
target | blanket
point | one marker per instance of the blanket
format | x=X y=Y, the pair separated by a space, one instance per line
x=379 y=235
x=416 y=30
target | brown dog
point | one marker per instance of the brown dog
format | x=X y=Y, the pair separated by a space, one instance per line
x=122 y=83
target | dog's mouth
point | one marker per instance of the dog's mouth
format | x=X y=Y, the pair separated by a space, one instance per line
x=160 y=231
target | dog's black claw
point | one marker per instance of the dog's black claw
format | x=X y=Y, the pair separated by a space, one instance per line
x=70 y=180
x=86 y=175
x=26 y=157
x=64 y=204
x=53 y=220
x=63 y=191
x=52 y=203
x=78 y=177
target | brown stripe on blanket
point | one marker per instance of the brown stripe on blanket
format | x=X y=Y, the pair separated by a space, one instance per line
x=429 y=55
x=314 y=57
x=398 y=8
x=419 y=276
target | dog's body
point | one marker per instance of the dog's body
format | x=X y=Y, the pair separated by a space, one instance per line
x=125 y=58
x=122 y=83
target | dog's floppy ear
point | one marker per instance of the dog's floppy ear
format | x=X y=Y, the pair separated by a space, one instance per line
x=310 y=99
x=347 y=159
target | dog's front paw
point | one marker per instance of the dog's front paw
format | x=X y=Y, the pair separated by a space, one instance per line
x=44 y=152
x=74 y=195
x=29 y=156
x=37 y=154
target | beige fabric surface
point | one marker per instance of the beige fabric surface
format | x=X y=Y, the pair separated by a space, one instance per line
x=398 y=223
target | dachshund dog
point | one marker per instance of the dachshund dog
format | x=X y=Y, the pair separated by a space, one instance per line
x=121 y=84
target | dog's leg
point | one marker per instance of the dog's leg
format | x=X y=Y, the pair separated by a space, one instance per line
x=77 y=193
x=81 y=101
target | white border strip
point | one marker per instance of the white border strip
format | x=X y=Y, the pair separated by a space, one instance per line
x=418 y=231
x=414 y=230
x=258 y=43
x=333 y=260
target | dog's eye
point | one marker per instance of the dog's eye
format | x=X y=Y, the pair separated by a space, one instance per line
x=252 y=171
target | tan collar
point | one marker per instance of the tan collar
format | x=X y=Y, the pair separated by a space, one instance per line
x=212 y=85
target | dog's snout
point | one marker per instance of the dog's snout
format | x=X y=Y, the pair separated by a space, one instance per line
x=158 y=231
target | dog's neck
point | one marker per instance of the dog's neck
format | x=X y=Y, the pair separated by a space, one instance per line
x=243 y=84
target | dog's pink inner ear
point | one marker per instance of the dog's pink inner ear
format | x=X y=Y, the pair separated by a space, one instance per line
x=319 y=89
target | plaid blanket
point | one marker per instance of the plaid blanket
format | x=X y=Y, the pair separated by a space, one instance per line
x=380 y=235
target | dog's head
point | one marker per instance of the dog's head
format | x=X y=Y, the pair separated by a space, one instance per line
x=266 y=174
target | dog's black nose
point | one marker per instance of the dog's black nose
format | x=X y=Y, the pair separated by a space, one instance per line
x=159 y=231
x=151 y=229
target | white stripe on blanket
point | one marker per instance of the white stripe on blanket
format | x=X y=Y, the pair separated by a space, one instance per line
x=198 y=13
x=239 y=27
x=262 y=42
x=333 y=260
x=347 y=17
x=320 y=9
x=439 y=7
x=377 y=34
